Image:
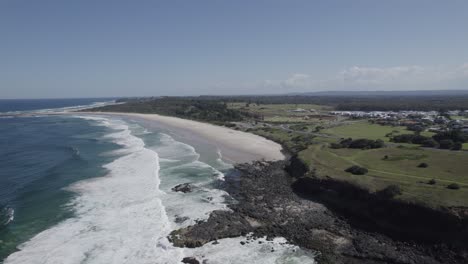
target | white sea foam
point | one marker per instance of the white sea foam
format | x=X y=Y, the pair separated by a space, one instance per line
x=259 y=251
x=119 y=217
x=126 y=216
x=8 y=214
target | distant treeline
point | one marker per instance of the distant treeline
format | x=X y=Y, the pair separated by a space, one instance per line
x=452 y=139
x=439 y=103
x=356 y=103
x=189 y=108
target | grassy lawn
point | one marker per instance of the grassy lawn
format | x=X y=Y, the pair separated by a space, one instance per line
x=459 y=117
x=283 y=113
x=364 y=129
x=465 y=146
x=400 y=168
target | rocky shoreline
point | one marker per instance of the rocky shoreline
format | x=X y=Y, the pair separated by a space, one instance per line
x=269 y=203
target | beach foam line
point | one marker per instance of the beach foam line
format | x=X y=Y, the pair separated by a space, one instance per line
x=235 y=146
x=119 y=218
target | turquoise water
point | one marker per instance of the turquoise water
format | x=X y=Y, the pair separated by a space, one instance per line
x=39 y=157
x=95 y=189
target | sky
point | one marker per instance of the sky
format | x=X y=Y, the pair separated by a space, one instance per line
x=102 y=48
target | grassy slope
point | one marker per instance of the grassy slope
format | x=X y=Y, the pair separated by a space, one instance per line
x=400 y=168
x=281 y=113
x=363 y=129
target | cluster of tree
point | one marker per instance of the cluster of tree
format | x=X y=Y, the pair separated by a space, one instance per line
x=419 y=102
x=423 y=103
x=361 y=143
x=343 y=101
x=453 y=140
x=301 y=142
x=203 y=110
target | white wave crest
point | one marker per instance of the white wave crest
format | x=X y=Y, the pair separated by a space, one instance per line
x=126 y=215
x=119 y=217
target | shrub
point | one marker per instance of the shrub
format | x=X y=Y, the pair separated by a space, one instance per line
x=454 y=135
x=453 y=186
x=362 y=143
x=423 y=165
x=430 y=143
x=356 y=170
x=389 y=191
x=457 y=146
x=446 y=144
x=432 y=182
x=229 y=124
x=410 y=138
x=385 y=157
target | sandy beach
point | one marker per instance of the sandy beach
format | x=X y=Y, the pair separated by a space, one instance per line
x=234 y=146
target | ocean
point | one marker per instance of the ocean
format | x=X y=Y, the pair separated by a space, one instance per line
x=92 y=189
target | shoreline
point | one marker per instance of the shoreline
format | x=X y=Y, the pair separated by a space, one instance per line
x=234 y=146
x=279 y=210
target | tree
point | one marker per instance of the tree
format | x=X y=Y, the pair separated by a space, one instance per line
x=430 y=143
x=431 y=182
x=453 y=186
x=446 y=144
x=423 y=165
x=356 y=170
x=457 y=146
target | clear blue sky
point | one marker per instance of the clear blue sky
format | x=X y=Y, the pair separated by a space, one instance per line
x=65 y=48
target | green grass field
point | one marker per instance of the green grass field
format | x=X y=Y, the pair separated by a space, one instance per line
x=364 y=129
x=283 y=113
x=401 y=168
x=459 y=117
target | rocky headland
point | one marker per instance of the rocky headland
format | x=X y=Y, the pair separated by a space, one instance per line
x=341 y=223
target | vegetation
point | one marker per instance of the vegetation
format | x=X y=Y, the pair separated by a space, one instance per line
x=361 y=143
x=292 y=141
x=203 y=110
x=356 y=170
x=364 y=129
x=385 y=159
x=452 y=139
x=425 y=186
x=423 y=165
x=389 y=192
x=361 y=102
x=453 y=186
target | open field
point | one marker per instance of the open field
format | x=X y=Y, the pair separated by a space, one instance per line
x=459 y=117
x=401 y=168
x=284 y=113
x=364 y=129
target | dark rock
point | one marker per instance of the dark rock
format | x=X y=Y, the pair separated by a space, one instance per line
x=184 y=187
x=181 y=219
x=190 y=260
x=268 y=205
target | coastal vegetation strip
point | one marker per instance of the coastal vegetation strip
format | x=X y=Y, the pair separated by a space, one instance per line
x=306 y=126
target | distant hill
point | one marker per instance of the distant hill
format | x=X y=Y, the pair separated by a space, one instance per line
x=424 y=93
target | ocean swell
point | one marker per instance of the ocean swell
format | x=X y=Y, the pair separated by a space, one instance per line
x=119 y=218
x=127 y=215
